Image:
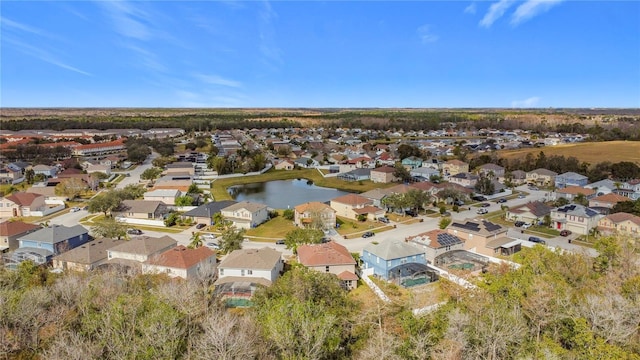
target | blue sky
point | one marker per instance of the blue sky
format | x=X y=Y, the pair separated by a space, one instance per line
x=500 y=53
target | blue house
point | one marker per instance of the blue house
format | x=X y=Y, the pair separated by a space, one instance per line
x=571 y=179
x=40 y=246
x=394 y=260
x=412 y=162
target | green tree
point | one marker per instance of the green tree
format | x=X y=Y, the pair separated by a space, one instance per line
x=29 y=175
x=151 y=173
x=171 y=219
x=130 y=192
x=104 y=203
x=231 y=239
x=288 y=214
x=185 y=200
x=402 y=173
x=137 y=153
x=299 y=236
x=484 y=185
x=194 y=189
x=110 y=228
x=444 y=222
x=196 y=240
x=71 y=188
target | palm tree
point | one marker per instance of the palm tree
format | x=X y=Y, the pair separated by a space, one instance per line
x=196 y=241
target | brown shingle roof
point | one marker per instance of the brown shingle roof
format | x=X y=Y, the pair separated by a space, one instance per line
x=347 y=275
x=250 y=206
x=181 y=257
x=330 y=253
x=611 y=198
x=620 y=217
x=258 y=259
x=23 y=198
x=12 y=228
x=313 y=206
x=90 y=252
x=575 y=190
x=385 y=169
x=145 y=245
x=352 y=199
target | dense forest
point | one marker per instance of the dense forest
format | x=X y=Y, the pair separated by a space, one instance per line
x=554 y=306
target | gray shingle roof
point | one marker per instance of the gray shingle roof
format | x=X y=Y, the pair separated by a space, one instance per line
x=256 y=259
x=250 y=206
x=144 y=245
x=55 y=234
x=393 y=249
x=210 y=208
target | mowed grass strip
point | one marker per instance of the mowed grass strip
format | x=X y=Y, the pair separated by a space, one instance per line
x=219 y=186
x=590 y=152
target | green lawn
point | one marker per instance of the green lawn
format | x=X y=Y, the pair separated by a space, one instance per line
x=353 y=228
x=219 y=187
x=276 y=228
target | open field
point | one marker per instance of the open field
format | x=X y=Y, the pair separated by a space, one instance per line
x=593 y=152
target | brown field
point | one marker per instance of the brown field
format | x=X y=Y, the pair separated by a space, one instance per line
x=592 y=153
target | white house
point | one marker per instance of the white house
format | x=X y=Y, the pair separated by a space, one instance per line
x=167 y=196
x=245 y=214
x=247 y=264
x=182 y=262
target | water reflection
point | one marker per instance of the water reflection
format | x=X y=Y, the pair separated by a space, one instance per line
x=283 y=194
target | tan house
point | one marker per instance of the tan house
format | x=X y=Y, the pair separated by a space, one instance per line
x=330 y=258
x=134 y=252
x=477 y=234
x=453 y=167
x=86 y=257
x=607 y=201
x=167 y=196
x=179 y=168
x=352 y=205
x=623 y=223
x=576 y=218
x=285 y=165
x=174 y=181
x=314 y=214
x=182 y=262
x=383 y=174
x=98 y=168
x=142 y=209
x=570 y=192
x=21 y=204
x=436 y=242
x=10 y=231
x=529 y=213
x=245 y=214
x=541 y=177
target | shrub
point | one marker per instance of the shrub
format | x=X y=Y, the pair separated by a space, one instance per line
x=444 y=222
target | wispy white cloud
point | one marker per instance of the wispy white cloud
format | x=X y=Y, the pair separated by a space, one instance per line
x=128 y=20
x=496 y=10
x=526 y=103
x=471 y=9
x=426 y=35
x=148 y=59
x=267 y=33
x=42 y=55
x=217 y=80
x=531 y=8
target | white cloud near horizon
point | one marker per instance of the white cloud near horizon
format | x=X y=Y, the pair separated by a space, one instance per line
x=526 y=103
x=471 y=9
x=532 y=8
x=496 y=10
x=426 y=34
x=217 y=80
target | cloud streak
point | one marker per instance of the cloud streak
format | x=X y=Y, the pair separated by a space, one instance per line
x=267 y=34
x=496 y=11
x=532 y=8
x=43 y=55
x=426 y=35
x=217 y=80
x=526 y=103
x=471 y=9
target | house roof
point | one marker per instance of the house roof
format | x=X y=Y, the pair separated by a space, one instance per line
x=347 y=275
x=258 y=259
x=313 y=206
x=368 y=209
x=376 y=194
x=544 y=172
x=41 y=167
x=606 y=183
x=464 y=175
x=572 y=176
x=423 y=185
x=537 y=208
x=575 y=190
x=611 y=198
x=242 y=281
x=119 y=142
x=23 y=198
x=90 y=252
x=140 y=206
x=621 y=217
x=518 y=174
x=209 y=209
x=577 y=210
x=55 y=234
x=393 y=249
x=456 y=162
x=398 y=189
x=249 y=206
x=385 y=169
x=181 y=257
x=163 y=193
x=491 y=167
x=12 y=228
x=436 y=239
x=352 y=199
x=326 y=254
x=145 y=245
x=478 y=226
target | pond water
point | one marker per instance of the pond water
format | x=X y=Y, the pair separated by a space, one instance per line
x=283 y=194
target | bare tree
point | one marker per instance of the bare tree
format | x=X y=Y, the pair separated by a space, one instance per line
x=226 y=337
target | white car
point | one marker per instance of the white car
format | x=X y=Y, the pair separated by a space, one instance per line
x=209 y=237
x=526 y=226
x=212 y=245
x=482 y=211
x=75 y=208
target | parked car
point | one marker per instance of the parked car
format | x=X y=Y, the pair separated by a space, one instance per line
x=526 y=226
x=134 y=232
x=521 y=196
x=518 y=223
x=200 y=226
x=410 y=213
x=500 y=201
x=325 y=240
x=485 y=205
x=565 y=232
x=536 y=239
x=208 y=236
x=280 y=242
x=383 y=219
x=368 y=234
x=482 y=211
x=479 y=198
x=458 y=202
x=212 y=245
x=75 y=208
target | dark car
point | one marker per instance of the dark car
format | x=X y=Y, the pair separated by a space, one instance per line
x=410 y=213
x=479 y=198
x=519 y=223
x=500 y=201
x=279 y=242
x=458 y=202
x=485 y=205
x=368 y=234
x=565 y=233
x=383 y=219
x=536 y=239
x=134 y=232
x=325 y=240
x=200 y=226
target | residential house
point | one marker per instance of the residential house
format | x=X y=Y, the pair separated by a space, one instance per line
x=530 y=213
x=433 y=163
x=623 y=223
x=465 y=179
x=167 y=196
x=245 y=214
x=285 y=165
x=48 y=191
x=45 y=170
x=436 y=242
x=10 y=176
x=571 y=179
x=477 y=234
x=394 y=260
x=306 y=162
x=386 y=159
x=86 y=257
x=142 y=209
x=453 y=167
x=492 y=171
x=131 y=254
x=180 y=168
x=423 y=173
x=576 y=218
x=517 y=177
x=383 y=174
x=376 y=196
x=243 y=271
x=351 y=206
x=204 y=214
x=182 y=262
x=176 y=181
x=99 y=149
x=570 y=192
x=605 y=186
x=541 y=177
x=412 y=162
x=41 y=245
x=21 y=204
x=607 y=201
x=330 y=258
x=10 y=231
x=315 y=214
x=99 y=168
x=356 y=175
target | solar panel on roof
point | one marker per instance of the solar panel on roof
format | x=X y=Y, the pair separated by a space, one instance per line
x=491 y=226
x=448 y=239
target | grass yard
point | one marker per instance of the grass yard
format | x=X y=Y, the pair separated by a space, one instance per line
x=219 y=186
x=591 y=152
x=276 y=228
x=351 y=228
